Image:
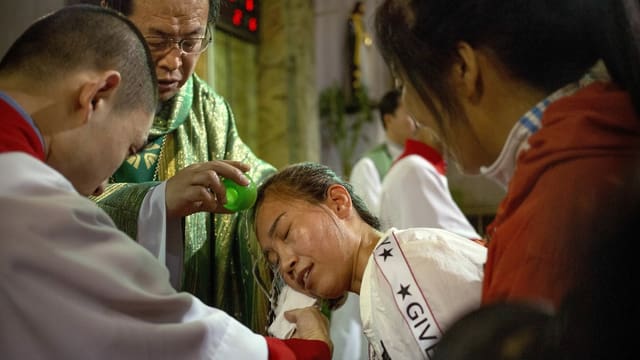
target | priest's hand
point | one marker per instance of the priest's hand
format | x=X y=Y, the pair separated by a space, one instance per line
x=198 y=187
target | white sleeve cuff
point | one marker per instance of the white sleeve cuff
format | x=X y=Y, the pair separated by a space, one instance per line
x=159 y=236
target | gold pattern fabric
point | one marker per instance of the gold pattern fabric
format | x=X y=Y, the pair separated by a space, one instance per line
x=196 y=126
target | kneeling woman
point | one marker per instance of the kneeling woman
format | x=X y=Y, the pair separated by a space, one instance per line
x=324 y=242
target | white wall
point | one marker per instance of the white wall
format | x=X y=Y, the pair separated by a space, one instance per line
x=331 y=34
x=16 y=16
x=331 y=65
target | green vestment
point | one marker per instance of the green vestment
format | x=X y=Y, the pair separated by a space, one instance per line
x=381 y=159
x=197 y=125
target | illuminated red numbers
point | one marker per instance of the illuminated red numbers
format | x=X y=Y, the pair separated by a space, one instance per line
x=241 y=18
x=253 y=24
x=237 y=17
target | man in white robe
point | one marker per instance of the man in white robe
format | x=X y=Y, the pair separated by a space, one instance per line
x=75 y=99
x=415 y=192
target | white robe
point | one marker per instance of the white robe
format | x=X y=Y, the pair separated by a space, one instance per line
x=448 y=270
x=72 y=286
x=415 y=194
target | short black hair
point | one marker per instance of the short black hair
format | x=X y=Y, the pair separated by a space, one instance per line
x=388 y=104
x=126 y=7
x=87 y=37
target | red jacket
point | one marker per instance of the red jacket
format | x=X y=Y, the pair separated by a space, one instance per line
x=582 y=155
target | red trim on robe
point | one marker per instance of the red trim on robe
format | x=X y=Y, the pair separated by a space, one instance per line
x=415 y=147
x=16 y=134
x=293 y=349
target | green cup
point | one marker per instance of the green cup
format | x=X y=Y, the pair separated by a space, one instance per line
x=240 y=197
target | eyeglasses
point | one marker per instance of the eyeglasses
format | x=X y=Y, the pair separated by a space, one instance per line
x=189 y=46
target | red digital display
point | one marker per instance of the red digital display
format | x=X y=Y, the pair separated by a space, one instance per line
x=236 y=20
x=240 y=18
x=253 y=24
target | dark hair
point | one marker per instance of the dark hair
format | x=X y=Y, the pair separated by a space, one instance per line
x=388 y=104
x=87 y=37
x=545 y=43
x=617 y=39
x=126 y=7
x=310 y=181
x=500 y=331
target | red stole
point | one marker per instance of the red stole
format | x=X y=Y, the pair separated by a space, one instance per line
x=415 y=147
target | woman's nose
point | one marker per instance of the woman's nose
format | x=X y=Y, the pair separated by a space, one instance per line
x=289 y=265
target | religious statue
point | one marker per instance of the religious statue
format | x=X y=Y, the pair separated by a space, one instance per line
x=357 y=41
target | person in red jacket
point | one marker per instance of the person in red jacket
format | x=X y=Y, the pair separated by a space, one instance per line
x=517 y=91
x=77 y=95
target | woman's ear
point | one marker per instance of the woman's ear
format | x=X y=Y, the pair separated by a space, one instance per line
x=466 y=72
x=339 y=200
x=387 y=118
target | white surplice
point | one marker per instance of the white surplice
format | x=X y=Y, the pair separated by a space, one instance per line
x=415 y=194
x=72 y=286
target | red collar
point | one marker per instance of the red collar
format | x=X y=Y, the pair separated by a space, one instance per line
x=415 y=147
x=16 y=134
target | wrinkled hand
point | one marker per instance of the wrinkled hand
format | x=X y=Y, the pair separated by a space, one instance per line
x=198 y=187
x=311 y=324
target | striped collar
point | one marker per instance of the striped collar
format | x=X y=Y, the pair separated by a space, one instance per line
x=503 y=168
